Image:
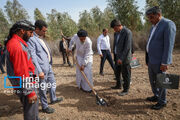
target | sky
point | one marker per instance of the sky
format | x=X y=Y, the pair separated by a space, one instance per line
x=72 y=7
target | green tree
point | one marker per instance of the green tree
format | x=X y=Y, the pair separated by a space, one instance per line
x=15 y=11
x=127 y=12
x=58 y=22
x=53 y=27
x=107 y=17
x=87 y=22
x=97 y=16
x=4 y=26
x=95 y=20
x=150 y=3
x=38 y=15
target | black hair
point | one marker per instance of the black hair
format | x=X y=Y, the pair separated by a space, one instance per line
x=40 y=24
x=104 y=29
x=153 y=10
x=82 y=33
x=22 y=24
x=115 y=22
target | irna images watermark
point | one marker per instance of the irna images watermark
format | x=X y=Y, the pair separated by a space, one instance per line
x=27 y=83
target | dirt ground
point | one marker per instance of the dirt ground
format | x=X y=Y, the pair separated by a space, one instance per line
x=78 y=105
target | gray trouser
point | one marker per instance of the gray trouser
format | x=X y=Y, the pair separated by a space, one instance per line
x=153 y=70
x=30 y=111
x=48 y=79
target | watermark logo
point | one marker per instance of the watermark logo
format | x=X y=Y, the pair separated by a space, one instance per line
x=12 y=77
x=28 y=83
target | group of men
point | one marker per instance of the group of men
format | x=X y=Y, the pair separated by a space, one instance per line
x=122 y=50
x=159 y=50
x=28 y=54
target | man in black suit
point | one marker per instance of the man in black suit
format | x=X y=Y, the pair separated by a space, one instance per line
x=122 y=50
x=63 y=46
x=1 y=59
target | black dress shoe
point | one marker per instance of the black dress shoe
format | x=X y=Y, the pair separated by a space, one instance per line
x=101 y=73
x=116 y=87
x=123 y=93
x=158 y=106
x=57 y=100
x=69 y=64
x=48 y=110
x=152 y=99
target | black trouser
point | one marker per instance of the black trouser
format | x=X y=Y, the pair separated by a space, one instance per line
x=65 y=55
x=106 y=55
x=1 y=66
x=125 y=70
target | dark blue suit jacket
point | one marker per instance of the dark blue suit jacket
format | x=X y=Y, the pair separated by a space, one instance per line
x=123 y=46
x=162 y=43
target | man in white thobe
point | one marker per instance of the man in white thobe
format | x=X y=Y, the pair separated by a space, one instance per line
x=84 y=56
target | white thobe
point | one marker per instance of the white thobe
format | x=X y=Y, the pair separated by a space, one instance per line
x=84 y=55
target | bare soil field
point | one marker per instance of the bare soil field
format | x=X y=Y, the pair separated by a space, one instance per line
x=78 y=105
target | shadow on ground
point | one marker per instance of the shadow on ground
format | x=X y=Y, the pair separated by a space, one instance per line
x=87 y=101
x=10 y=105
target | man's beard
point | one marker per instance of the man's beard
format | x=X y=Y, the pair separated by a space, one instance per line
x=25 y=37
x=42 y=36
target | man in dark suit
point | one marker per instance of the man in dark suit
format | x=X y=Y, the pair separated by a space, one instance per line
x=159 y=52
x=63 y=46
x=1 y=59
x=122 y=50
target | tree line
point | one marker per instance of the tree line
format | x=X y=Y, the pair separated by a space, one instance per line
x=94 y=20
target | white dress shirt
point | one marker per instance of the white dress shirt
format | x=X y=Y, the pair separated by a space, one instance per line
x=103 y=43
x=65 y=46
x=152 y=32
x=117 y=38
x=46 y=48
x=44 y=45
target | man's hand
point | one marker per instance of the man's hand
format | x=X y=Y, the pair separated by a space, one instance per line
x=163 y=68
x=82 y=68
x=41 y=75
x=119 y=62
x=32 y=99
x=68 y=51
x=101 y=55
